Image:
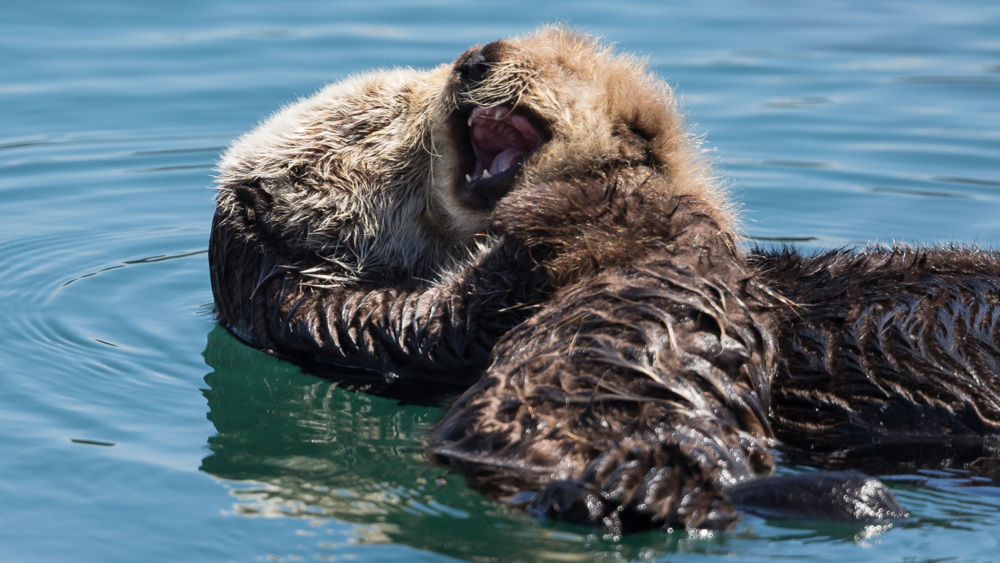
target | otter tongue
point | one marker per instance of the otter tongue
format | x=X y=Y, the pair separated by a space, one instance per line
x=506 y=159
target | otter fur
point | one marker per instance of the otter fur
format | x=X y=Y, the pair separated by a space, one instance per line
x=354 y=228
x=533 y=223
x=639 y=395
x=639 y=391
x=889 y=356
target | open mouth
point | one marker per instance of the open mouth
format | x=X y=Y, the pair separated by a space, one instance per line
x=500 y=138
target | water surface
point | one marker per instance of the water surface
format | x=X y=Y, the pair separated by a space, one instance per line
x=135 y=429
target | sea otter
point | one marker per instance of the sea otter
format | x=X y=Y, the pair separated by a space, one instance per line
x=541 y=192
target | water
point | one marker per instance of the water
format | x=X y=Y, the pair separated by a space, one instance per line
x=134 y=429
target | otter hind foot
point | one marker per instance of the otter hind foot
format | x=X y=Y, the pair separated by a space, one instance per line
x=833 y=496
x=843 y=496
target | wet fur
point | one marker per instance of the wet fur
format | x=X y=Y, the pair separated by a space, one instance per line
x=889 y=355
x=639 y=391
x=375 y=337
x=642 y=367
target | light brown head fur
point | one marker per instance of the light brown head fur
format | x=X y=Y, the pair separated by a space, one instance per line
x=368 y=176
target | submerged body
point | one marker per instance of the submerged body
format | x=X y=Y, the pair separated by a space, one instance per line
x=888 y=355
x=533 y=221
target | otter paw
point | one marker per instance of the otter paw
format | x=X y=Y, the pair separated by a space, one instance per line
x=575 y=502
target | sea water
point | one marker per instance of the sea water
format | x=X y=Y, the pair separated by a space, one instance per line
x=132 y=428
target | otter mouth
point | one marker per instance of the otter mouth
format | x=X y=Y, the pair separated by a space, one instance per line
x=500 y=138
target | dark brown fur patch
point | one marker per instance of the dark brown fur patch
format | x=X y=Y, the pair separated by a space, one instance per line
x=639 y=392
x=888 y=355
x=434 y=333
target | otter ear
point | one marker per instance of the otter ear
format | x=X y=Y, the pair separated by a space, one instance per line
x=633 y=143
x=248 y=199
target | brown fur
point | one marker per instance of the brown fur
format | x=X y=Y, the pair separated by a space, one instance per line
x=890 y=355
x=341 y=236
x=639 y=391
x=638 y=396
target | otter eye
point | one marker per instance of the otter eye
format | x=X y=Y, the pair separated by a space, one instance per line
x=475 y=67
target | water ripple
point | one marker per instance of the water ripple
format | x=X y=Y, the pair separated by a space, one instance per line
x=921 y=193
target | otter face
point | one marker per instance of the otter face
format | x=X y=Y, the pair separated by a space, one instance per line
x=494 y=139
x=550 y=106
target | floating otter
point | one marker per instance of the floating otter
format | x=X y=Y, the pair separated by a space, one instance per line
x=353 y=228
x=540 y=200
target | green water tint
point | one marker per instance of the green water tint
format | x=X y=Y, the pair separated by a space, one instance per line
x=302 y=447
x=309 y=449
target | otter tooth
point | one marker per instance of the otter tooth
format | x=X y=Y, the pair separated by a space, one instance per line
x=486 y=173
x=470 y=120
x=468 y=178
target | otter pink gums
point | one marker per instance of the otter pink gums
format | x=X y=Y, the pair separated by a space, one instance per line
x=533 y=223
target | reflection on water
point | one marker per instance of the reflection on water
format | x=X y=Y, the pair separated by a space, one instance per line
x=301 y=447
x=275 y=423
x=304 y=447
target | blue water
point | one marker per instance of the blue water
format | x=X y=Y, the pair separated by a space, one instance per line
x=133 y=429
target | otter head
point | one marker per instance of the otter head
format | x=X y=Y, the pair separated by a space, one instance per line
x=556 y=105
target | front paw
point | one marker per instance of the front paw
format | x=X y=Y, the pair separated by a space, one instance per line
x=571 y=228
x=634 y=488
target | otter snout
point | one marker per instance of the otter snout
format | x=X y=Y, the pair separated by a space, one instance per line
x=474 y=65
x=473 y=70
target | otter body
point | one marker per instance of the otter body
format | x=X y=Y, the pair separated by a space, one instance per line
x=532 y=223
x=888 y=355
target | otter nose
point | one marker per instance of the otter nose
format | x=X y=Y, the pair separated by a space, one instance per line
x=475 y=67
